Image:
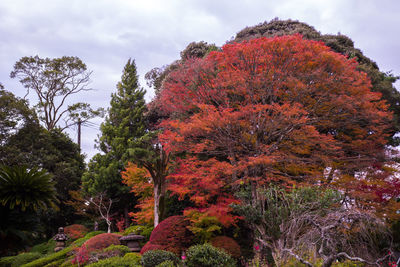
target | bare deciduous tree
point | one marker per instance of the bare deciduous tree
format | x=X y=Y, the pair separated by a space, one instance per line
x=103 y=206
x=309 y=220
x=55 y=80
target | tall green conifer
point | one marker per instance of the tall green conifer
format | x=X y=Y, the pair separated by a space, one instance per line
x=123 y=124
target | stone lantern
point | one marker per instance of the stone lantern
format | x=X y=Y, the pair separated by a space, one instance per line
x=60 y=239
x=132 y=242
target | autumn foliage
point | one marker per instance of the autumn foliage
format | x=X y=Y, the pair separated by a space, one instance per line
x=101 y=241
x=171 y=235
x=140 y=182
x=76 y=231
x=228 y=244
x=283 y=110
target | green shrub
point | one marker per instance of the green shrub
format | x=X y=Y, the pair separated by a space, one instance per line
x=152 y=258
x=167 y=263
x=348 y=263
x=115 y=262
x=133 y=256
x=68 y=262
x=44 y=248
x=208 y=256
x=56 y=263
x=19 y=259
x=139 y=230
x=110 y=252
x=6 y=261
x=62 y=254
x=122 y=250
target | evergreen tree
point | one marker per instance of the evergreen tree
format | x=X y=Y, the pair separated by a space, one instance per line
x=124 y=124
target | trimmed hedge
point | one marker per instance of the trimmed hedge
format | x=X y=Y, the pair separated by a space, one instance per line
x=101 y=241
x=62 y=254
x=153 y=258
x=170 y=235
x=116 y=262
x=20 y=259
x=208 y=256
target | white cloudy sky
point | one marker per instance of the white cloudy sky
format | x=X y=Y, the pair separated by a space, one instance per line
x=106 y=33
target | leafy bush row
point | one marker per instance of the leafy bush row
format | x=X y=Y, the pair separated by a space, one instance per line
x=200 y=255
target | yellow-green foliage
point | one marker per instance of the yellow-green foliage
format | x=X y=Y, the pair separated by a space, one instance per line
x=292 y=262
x=167 y=263
x=20 y=259
x=56 y=263
x=50 y=258
x=348 y=263
x=133 y=256
x=45 y=248
x=116 y=262
x=139 y=230
x=122 y=250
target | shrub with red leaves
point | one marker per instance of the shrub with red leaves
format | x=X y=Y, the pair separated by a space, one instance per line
x=228 y=244
x=75 y=231
x=171 y=235
x=101 y=241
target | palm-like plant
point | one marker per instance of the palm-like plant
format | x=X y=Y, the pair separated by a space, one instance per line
x=26 y=188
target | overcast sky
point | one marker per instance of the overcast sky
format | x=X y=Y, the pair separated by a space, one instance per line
x=106 y=33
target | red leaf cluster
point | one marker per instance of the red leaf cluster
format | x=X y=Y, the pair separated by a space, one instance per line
x=101 y=241
x=171 y=235
x=76 y=231
x=283 y=110
x=228 y=244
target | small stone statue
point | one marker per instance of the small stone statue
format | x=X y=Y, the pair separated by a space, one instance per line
x=60 y=239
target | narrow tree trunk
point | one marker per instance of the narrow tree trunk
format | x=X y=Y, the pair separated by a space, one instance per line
x=156 y=205
x=159 y=201
x=126 y=215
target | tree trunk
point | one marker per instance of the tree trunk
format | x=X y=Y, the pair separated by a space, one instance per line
x=159 y=201
x=126 y=217
x=108 y=226
x=156 y=205
x=328 y=261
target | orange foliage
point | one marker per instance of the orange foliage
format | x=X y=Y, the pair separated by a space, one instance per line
x=76 y=231
x=141 y=184
x=282 y=109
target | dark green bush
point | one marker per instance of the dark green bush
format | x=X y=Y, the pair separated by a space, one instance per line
x=20 y=259
x=139 y=230
x=208 y=256
x=116 y=262
x=120 y=249
x=153 y=258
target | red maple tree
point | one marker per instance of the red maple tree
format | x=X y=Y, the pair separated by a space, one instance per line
x=283 y=110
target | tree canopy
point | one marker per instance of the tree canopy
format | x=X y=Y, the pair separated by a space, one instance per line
x=283 y=110
x=54 y=81
x=381 y=81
